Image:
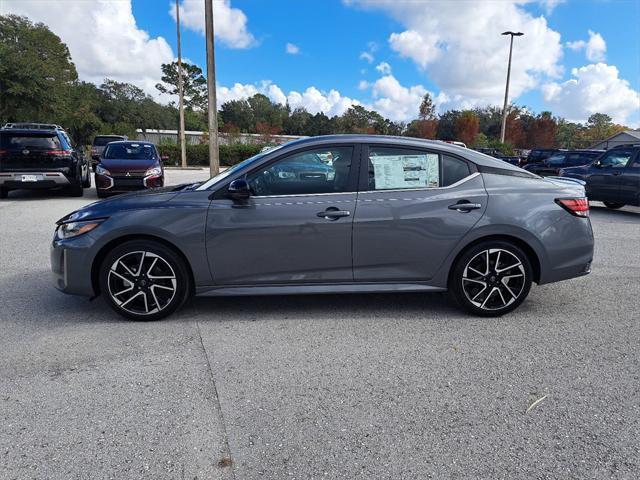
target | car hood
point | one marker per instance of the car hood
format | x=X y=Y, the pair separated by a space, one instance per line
x=128 y=201
x=117 y=165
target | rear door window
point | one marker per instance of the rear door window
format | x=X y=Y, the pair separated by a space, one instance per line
x=616 y=158
x=393 y=168
x=33 y=141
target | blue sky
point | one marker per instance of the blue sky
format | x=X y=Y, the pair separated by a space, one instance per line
x=576 y=57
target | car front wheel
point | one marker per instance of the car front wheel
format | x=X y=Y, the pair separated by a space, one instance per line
x=144 y=280
x=491 y=278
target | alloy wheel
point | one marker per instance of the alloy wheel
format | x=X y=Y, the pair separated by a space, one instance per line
x=142 y=282
x=493 y=279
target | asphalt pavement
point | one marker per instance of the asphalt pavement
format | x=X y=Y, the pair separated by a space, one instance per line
x=381 y=386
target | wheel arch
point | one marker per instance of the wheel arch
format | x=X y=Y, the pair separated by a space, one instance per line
x=523 y=245
x=106 y=248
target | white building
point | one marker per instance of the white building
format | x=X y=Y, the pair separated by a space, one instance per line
x=620 y=138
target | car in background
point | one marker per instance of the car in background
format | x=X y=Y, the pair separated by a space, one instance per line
x=40 y=156
x=127 y=166
x=99 y=144
x=613 y=178
x=563 y=159
x=396 y=214
x=538 y=155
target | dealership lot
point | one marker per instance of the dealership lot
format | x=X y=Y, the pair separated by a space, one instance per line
x=353 y=386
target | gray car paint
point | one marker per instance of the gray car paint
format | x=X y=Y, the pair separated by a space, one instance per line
x=408 y=240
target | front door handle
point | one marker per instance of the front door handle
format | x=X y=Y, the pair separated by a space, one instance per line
x=464 y=206
x=332 y=213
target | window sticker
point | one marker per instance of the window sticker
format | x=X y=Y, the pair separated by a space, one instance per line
x=406 y=171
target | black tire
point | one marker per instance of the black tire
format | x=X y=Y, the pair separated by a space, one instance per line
x=159 y=296
x=86 y=183
x=76 y=190
x=507 y=288
x=4 y=193
x=613 y=205
x=101 y=194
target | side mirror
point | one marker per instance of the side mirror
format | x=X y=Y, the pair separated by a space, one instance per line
x=597 y=164
x=239 y=189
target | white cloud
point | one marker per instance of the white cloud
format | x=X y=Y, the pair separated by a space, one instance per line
x=230 y=24
x=312 y=99
x=103 y=38
x=595 y=48
x=459 y=45
x=594 y=88
x=395 y=101
x=363 y=85
x=384 y=68
x=292 y=49
x=367 y=57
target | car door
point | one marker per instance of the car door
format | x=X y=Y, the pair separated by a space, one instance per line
x=296 y=226
x=414 y=206
x=604 y=182
x=630 y=182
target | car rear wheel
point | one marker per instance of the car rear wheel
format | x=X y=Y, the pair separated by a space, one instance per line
x=491 y=278
x=86 y=183
x=4 y=193
x=144 y=280
x=613 y=205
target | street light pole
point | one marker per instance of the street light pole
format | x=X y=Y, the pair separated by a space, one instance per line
x=506 y=91
x=214 y=159
x=183 y=147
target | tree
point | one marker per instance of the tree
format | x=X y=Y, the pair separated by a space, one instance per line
x=570 y=135
x=238 y=114
x=514 y=133
x=447 y=125
x=194 y=85
x=543 y=131
x=467 y=127
x=427 y=108
x=35 y=71
x=358 y=119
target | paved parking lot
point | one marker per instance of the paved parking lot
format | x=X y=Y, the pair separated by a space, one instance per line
x=357 y=386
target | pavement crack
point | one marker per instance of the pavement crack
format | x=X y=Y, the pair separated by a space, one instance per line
x=217 y=406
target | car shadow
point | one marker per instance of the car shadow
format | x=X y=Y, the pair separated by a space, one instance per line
x=600 y=211
x=45 y=194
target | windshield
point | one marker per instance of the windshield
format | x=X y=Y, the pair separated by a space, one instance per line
x=45 y=141
x=102 y=141
x=129 y=151
x=238 y=166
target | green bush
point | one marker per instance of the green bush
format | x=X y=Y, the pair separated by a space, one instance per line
x=198 y=155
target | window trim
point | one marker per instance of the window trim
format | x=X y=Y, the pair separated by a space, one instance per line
x=364 y=167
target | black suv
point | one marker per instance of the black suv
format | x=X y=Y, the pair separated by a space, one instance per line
x=563 y=159
x=613 y=178
x=40 y=156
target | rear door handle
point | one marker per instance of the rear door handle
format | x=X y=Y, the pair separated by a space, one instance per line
x=333 y=213
x=465 y=206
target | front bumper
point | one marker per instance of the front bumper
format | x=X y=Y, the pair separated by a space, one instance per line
x=16 y=180
x=115 y=184
x=71 y=264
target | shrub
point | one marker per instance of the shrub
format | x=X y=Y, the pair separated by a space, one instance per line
x=198 y=155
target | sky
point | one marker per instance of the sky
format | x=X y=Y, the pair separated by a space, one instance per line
x=576 y=57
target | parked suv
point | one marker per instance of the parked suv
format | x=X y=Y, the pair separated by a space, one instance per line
x=538 y=155
x=40 y=156
x=559 y=160
x=614 y=178
x=99 y=144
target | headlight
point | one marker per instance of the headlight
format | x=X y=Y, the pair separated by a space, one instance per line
x=152 y=172
x=74 y=229
x=100 y=170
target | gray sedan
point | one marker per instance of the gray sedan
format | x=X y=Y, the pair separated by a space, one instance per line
x=332 y=214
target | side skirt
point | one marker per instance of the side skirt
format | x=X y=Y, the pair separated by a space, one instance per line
x=304 y=289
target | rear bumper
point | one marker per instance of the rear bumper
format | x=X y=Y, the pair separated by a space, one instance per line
x=14 y=180
x=569 y=245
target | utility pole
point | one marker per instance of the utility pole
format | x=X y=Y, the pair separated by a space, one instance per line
x=214 y=159
x=506 y=92
x=183 y=147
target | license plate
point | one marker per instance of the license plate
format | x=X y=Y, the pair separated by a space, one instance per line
x=30 y=178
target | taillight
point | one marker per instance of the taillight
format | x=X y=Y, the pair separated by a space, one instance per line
x=575 y=206
x=3 y=152
x=58 y=153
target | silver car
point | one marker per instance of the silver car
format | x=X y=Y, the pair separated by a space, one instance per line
x=387 y=214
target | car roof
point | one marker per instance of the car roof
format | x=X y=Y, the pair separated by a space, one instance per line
x=36 y=131
x=475 y=157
